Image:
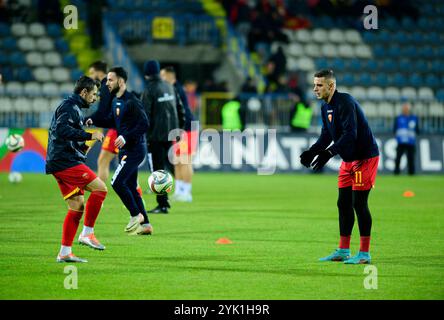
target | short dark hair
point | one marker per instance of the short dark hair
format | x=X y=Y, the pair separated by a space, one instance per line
x=120 y=72
x=84 y=82
x=169 y=69
x=99 y=66
x=325 y=73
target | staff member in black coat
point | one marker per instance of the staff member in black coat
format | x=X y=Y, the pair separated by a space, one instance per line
x=165 y=113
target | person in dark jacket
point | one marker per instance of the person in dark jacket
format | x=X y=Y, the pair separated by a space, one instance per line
x=186 y=147
x=98 y=71
x=129 y=119
x=345 y=124
x=165 y=113
x=65 y=160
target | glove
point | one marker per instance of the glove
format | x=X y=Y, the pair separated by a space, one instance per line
x=307 y=158
x=322 y=159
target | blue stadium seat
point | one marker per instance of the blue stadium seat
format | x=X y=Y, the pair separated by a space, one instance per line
x=426 y=52
x=4 y=58
x=407 y=23
x=54 y=30
x=398 y=80
x=322 y=63
x=348 y=79
x=417 y=37
x=432 y=81
x=379 y=50
x=381 y=80
x=385 y=36
x=76 y=74
x=393 y=51
x=9 y=44
x=17 y=59
x=370 y=37
x=338 y=64
x=390 y=23
x=415 y=80
x=370 y=65
x=364 y=79
x=409 y=52
x=70 y=61
x=61 y=45
x=436 y=66
x=388 y=65
x=354 y=65
x=401 y=37
x=440 y=95
x=24 y=74
x=420 y=66
x=5 y=31
x=439 y=52
x=405 y=65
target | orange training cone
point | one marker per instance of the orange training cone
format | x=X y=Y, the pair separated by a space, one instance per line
x=408 y=194
x=224 y=241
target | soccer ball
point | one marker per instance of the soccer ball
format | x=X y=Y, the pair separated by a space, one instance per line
x=15 y=142
x=160 y=182
x=15 y=177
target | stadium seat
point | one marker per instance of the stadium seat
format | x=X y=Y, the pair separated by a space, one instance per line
x=381 y=80
x=420 y=109
x=66 y=88
x=358 y=92
x=353 y=36
x=319 y=35
x=52 y=59
x=37 y=29
x=17 y=59
x=14 y=88
x=34 y=59
x=24 y=74
x=4 y=58
x=336 y=35
x=338 y=64
x=329 y=50
x=44 y=44
x=415 y=80
x=76 y=74
x=32 y=89
x=425 y=94
x=409 y=93
x=312 y=50
x=375 y=93
x=5 y=31
x=295 y=50
x=440 y=95
x=69 y=61
x=363 y=79
x=61 y=45
x=386 y=109
x=40 y=104
x=432 y=81
x=53 y=30
x=50 y=89
x=322 y=63
x=384 y=37
x=346 y=51
x=398 y=80
x=292 y=65
x=5 y=104
x=348 y=80
x=306 y=64
x=370 y=109
x=392 y=94
x=436 y=109
x=60 y=74
x=22 y=105
x=19 y=29
x=26 y=44
x=363 y=51
x=42 y=74
x=9 y=43
x=303 y=36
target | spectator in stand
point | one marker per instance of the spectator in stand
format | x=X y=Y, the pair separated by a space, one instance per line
x=190 y=88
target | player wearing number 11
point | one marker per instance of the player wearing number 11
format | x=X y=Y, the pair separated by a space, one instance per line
x=345 y=124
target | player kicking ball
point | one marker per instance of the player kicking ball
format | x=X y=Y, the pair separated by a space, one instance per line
x=345 y=124
x=65 y=160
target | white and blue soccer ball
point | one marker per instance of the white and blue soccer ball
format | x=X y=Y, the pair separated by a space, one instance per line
x=15 y=177
x=15 y=142
x=160 y=182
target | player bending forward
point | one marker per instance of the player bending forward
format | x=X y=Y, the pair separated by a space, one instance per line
x=345 y=124
x=65 y=160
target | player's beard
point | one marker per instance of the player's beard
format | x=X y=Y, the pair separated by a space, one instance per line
x=115 y=90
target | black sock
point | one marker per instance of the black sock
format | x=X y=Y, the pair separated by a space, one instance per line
x=360 y=203
x=346 y=213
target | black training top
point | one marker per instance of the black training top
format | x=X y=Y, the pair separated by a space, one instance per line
x=345 y=124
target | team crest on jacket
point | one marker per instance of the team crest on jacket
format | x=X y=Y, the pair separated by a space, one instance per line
x=330 y=117
x=117 y=111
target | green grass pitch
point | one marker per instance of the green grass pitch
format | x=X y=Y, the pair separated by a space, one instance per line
x=280 y=225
